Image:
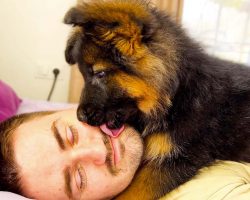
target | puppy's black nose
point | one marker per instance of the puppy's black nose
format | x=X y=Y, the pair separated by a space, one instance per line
x=80 y=115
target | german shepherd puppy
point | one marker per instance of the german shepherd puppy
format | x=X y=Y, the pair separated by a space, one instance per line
x=142 y=69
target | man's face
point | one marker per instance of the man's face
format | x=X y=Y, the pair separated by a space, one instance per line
x=62 y=158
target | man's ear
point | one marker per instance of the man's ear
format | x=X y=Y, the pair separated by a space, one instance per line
x=75 y=17
x=74 y=46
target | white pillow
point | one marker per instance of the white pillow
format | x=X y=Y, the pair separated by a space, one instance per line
x=11 y=196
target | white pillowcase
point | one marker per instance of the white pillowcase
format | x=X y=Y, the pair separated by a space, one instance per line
x=11 y=196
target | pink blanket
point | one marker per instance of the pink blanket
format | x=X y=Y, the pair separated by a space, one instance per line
x=9 y=101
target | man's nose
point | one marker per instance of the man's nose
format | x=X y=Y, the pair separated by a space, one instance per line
x=93 y=152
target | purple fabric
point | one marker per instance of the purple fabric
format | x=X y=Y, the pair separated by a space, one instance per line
x=9 y=101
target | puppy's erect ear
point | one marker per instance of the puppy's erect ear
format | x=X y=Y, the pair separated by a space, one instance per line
x=75 y=17
x=74 y=46
x=148 y=28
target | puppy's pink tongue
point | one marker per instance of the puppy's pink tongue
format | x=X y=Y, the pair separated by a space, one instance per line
x=112 y=132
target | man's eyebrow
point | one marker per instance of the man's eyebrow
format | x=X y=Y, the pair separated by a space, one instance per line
x=57 y=136
x=67 y=179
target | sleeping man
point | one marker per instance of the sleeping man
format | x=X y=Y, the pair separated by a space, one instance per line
x=51 y=155
x=54 y=156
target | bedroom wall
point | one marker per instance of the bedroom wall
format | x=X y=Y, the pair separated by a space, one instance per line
x=32 y=42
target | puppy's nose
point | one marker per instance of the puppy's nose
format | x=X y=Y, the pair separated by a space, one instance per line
x=80 y=115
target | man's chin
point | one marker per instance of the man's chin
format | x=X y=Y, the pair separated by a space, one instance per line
x=133 y=147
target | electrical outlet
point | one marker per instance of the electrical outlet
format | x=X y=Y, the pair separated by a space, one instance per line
x=44 y=72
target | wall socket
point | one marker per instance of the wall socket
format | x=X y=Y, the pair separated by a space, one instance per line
x=46 y=73
x=43 y=72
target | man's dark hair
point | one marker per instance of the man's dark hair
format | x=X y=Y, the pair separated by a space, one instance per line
x=9 y=171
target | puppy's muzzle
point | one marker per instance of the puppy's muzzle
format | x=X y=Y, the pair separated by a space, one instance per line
x=91 y=114
x=113 y=117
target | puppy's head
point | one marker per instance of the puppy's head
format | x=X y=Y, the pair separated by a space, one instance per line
x=128 y=63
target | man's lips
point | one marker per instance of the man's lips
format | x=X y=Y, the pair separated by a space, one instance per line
x=113 y=134
x=116 y=150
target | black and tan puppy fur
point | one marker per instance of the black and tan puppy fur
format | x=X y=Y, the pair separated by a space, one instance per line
x=141 y=68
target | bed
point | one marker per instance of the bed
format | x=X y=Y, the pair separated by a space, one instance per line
x=29 y=105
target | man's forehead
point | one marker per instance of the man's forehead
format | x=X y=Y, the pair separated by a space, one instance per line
x=35 y=149
x=39 y=162
x=47 y=185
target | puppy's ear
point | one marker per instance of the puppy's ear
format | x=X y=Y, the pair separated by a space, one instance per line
x=74 y=46
x=147 y=32
x=148 y=29
x=75 y=17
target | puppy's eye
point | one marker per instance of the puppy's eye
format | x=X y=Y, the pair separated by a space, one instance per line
x=100 y=74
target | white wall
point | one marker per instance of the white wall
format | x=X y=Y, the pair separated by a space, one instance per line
x=32 y=42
